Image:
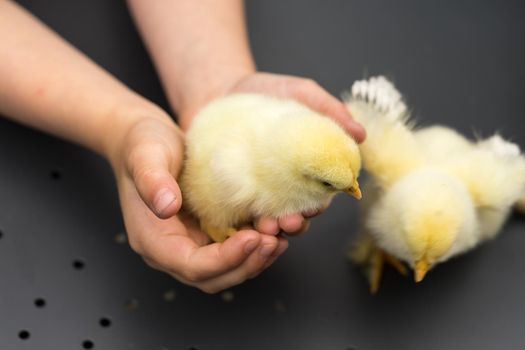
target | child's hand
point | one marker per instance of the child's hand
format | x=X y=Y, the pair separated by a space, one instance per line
x=147 y=159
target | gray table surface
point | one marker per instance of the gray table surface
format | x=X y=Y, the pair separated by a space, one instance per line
x=460 y=63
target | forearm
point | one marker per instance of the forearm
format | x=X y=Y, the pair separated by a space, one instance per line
x=200 y=48
x=47 y=84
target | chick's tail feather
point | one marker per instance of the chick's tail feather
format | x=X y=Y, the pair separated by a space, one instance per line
x=390 y=149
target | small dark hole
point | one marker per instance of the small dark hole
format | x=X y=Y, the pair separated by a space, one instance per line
x=193 y=348
x=40 y=302
x=88 y=344
x=1 y=234
x=105 y=322
x=24 y=335
x=78 y=264
x=55 y=174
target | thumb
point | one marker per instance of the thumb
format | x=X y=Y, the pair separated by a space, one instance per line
x=156 y=185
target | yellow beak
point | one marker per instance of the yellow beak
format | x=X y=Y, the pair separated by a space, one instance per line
x=421 y=269
x=355 y=191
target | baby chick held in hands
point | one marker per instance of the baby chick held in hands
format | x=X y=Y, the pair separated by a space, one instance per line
x=252 y=155
x=433 y=194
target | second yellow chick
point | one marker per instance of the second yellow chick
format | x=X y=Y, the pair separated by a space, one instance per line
x=433 y=193
x=252 y=155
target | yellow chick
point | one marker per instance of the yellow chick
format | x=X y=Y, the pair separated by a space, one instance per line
x=252 y=155
x=432 y=194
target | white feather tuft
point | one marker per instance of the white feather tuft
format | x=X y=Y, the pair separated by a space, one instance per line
x=500 y=147
x=380 y=94
x=390 y=149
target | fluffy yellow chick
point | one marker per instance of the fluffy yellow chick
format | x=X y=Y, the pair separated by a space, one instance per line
x=433 y=194
x=251 y=155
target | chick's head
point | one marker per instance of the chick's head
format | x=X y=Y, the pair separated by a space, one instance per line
x=324 y=158
x=424 y=219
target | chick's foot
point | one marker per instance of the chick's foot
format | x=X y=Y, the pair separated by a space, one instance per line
x=218 y=234
x=364 y=252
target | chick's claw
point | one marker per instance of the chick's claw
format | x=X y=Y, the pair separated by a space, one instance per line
x=395 y=263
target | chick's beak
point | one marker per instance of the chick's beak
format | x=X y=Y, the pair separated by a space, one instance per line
x=420 y=269
x=354 y=191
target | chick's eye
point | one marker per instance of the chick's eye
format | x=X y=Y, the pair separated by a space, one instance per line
x=326 y=184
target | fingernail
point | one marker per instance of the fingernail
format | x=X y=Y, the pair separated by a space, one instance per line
x=266 y=250
x=163 y=200
x=250 y=246
x=359 y=130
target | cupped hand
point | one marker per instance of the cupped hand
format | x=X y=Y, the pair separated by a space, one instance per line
x=147 y=161
x=147 y=157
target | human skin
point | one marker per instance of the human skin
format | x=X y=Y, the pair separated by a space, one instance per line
x=49 y=85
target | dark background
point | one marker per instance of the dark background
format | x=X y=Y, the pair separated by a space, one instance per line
x=459 y=63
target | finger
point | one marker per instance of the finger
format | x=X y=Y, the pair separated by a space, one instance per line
x=180 y=255
x=314 y=212
x=281 y=248
x=305 y=227
x=291 y=223
x=149 y=168
x=254 y=265
x=267 y=226
x=153 y=264
x=311 y=213
x=313 y=95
